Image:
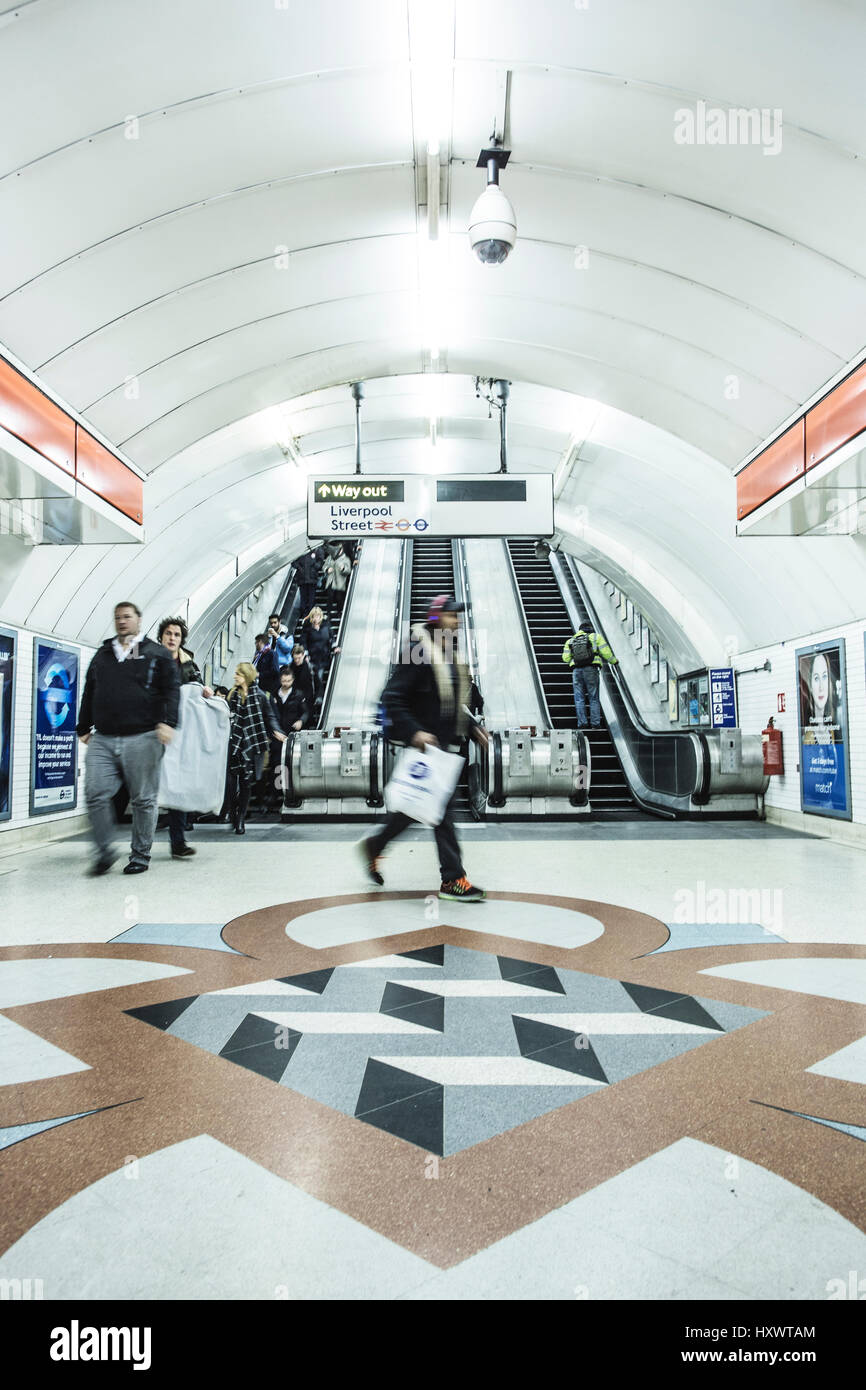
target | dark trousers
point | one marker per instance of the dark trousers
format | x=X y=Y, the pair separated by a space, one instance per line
x=177 y=828
x=308 y=596
x=241 y=791
x=450 y=863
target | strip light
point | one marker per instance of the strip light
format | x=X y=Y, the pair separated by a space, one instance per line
x=431 y=59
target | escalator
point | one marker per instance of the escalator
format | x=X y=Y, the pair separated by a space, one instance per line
x=550 y=626
x=336 y=612
x=432 y=573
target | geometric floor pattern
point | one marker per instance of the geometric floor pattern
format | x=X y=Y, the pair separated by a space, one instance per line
x=445 y=1046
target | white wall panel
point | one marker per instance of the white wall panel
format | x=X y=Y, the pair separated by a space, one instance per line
x=193 y=153
x=323 y=280
x=748 y=263
x=757 y=692
x=63 y=306
x=170 y=385
x=164 y=53
x=798 y=54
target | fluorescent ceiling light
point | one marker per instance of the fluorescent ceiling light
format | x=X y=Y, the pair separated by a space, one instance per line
x=432 y=304
x=431 y=57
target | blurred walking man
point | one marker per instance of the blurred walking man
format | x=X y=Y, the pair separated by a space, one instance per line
x=129 y=711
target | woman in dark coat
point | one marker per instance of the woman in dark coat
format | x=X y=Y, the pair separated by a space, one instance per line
x=253 y=724
x=316 y=636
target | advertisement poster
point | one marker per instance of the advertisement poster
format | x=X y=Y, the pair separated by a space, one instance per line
x=7 y=718
x=824 y=776
x=55 y=744
x=723 y=697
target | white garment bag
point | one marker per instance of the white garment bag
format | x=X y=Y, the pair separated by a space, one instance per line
x=422 y=784
x=193 y=775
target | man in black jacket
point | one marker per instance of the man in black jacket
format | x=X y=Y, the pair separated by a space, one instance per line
x=424 y=702
x=129 y=711
x=307 y=567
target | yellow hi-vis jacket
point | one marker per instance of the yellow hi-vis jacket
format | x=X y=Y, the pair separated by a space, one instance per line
x=599 y=646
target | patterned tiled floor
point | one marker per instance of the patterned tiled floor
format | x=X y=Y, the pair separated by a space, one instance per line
x=356 y=1096
x=446 y=1047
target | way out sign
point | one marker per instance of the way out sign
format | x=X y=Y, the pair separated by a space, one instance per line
x=419 y=505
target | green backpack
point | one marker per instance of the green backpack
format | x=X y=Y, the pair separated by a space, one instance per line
x=581 y=650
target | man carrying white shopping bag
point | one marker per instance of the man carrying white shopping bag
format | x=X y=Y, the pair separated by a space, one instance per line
x=424 y=704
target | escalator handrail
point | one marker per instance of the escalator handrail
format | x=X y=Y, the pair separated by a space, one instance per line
x=540 y=693
x=565 y=565
x=347 y=609
x=634 y=714
x=463 y=594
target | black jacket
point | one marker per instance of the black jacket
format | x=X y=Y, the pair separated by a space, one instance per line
x=307 y=566
x=131 y=696
x=288 y=712
x=413 y=698
x=303 y=675
x=188 y=670
x=318 y=644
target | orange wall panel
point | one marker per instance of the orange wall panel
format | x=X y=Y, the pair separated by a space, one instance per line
x=33 y=418
x=98 y=469
x=782 y=463
x=836 y=419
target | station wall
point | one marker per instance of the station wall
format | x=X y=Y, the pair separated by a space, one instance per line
x=758 y=693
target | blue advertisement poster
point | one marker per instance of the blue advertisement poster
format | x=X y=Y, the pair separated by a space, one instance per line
x=722 y=698
x=7 y=718
x=53 y=784
x=824 y=771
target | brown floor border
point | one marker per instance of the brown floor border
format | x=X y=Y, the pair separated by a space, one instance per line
x=482 y=1193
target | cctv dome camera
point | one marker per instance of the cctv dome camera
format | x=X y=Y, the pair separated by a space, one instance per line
x=492 y=226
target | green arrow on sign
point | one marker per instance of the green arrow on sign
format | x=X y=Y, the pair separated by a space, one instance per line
x=324 y=490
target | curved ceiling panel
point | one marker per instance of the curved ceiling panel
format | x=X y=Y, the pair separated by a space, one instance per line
x=214 y=212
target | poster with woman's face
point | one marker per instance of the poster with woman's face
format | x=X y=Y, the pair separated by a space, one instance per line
x=823 y=714
x=7 y=718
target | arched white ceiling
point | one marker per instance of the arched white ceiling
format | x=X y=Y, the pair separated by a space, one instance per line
x=210 y=207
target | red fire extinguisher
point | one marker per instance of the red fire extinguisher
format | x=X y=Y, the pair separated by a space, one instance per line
x=771 y=746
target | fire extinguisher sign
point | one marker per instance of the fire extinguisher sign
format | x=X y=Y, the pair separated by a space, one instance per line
x=723 y=704
x=780 y=702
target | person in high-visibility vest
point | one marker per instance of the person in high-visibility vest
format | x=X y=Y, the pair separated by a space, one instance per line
x=584 y=653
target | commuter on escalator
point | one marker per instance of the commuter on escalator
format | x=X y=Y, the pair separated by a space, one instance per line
x=584 y=653
x=424 y=704
x=335 y=573
x=289 y=704
x=292 y=712
x=265 y=665
x=281 y=643
x=316 y=636
x=304 y=679
x=307 y=568
x=253 y=724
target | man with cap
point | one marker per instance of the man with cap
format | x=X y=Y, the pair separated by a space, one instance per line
x=424 y=703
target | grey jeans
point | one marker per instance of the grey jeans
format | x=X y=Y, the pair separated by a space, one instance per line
x=134 y=759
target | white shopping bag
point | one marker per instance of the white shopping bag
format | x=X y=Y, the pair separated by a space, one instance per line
x=193 y=774
x=422 y=784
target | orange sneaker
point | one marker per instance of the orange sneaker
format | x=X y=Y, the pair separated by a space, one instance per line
x=462 y=891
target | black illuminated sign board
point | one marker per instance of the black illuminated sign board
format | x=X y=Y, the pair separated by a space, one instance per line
x=481 y=490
